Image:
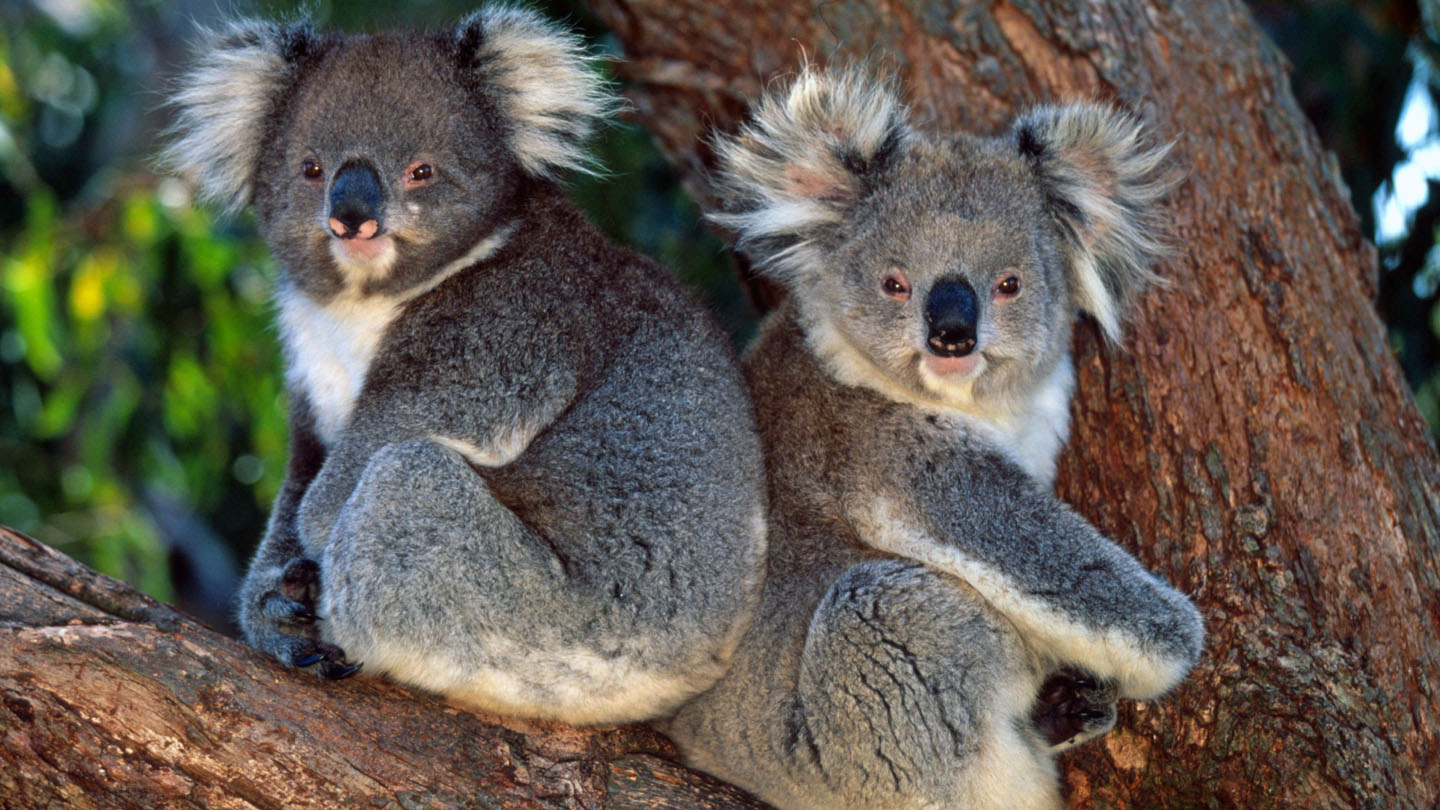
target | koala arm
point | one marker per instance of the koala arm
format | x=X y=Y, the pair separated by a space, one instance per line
x=277 y=597
x=489 y=426
x=1076 y=596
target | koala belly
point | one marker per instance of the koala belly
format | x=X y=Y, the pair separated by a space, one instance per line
x=502 y=675
x=896 y=688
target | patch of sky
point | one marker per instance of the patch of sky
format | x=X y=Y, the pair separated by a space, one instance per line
x=1396 y=201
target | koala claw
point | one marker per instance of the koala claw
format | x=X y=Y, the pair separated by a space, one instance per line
x=331 y=659
x=1073 y=708
x=307 y=659
x=336 y=670
x=284 y=621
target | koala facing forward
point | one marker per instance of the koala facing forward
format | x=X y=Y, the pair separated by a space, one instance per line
x=935 y=624
x=524 y=470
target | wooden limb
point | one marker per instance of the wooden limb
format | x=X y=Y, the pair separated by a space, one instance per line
x=110 y=699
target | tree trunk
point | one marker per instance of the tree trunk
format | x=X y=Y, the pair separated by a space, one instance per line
x=109 y=699
x=1254 y=442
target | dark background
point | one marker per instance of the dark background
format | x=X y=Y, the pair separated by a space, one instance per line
x=141 y=411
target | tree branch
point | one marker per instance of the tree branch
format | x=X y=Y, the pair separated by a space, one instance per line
x=110 y=699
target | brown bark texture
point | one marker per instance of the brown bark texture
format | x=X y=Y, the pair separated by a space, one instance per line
x=109 y=699
x=1253 y=441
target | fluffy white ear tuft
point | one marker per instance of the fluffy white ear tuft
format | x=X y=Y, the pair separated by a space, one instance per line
x=1103 y=184
x=802 y=161
x=548 y=86
x=222 y=104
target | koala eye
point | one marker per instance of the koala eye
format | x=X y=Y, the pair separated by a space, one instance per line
x=312 y=170
x=419 y=174
x=896 y=286
x=1009 y=287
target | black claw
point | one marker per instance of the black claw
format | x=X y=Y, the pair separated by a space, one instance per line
x=303 y=614
x=335 y=670
x=308 y=659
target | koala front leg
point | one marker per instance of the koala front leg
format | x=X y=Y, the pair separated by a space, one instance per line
x=279 y=593
x=1077 y=597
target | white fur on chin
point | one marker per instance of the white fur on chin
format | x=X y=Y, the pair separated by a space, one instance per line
x=362 y=261
x=1031 y=433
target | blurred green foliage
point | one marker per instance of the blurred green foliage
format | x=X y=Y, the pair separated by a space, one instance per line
x=141 y=407
x=126 y=376
x=137 y=367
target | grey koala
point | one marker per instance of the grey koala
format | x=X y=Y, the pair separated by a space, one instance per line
x=524 y=470
x=935 y=624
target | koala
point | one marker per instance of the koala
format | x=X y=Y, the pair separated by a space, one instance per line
x=935 y=624
x=524 y=471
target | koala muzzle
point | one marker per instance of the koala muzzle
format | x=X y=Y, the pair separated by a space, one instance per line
x=952 y=313
x=356 y=200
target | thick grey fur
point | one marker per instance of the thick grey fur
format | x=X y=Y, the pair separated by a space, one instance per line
x=924 y=584
x=546 y=497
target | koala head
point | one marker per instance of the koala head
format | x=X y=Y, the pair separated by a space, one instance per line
x=941 y=269
x=374 y=161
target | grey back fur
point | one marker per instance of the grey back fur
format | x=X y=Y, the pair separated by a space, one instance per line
x=935 y=624
x=524 y=470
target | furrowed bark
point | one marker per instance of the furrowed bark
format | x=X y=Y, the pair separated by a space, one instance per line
x=1253 y=440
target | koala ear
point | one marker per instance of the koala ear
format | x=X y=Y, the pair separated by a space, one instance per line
x=1102 y=185
x=224 y=100
x=801 y=163
x=547 y=86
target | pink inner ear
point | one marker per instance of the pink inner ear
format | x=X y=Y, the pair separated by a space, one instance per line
x=813 y=183
x=1096 y=168
x=1099 y=180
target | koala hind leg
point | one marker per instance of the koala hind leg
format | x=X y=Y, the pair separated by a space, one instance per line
x=912 y=693
x=431 y=580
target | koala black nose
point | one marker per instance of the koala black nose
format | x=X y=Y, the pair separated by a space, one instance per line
x=355 y=202
x=952 y=312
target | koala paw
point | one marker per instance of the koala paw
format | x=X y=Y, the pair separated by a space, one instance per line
x=282 y=623
x=1073 y=708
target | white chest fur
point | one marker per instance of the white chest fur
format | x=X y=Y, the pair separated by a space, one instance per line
x=330 y=348
x=1034 y=435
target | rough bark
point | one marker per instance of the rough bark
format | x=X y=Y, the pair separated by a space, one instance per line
x=1254 y=442
x=109 y=699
